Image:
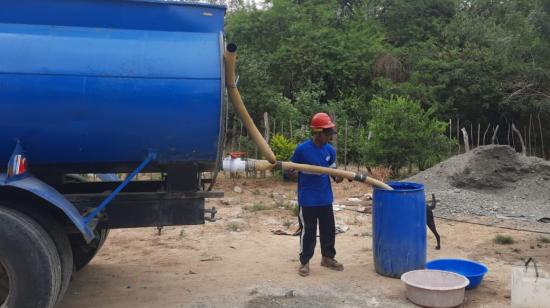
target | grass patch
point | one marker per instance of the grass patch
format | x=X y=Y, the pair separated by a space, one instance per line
x=182 y=233
x=256 y=207
x=295 y=210
x=503 y=240
x=233 y=227
x=544 y=239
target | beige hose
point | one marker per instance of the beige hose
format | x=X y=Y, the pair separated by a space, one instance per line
x=235 y=97
x=271 y=162
x=261 y=165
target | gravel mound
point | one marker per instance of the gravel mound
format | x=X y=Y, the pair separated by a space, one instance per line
x=491 y=180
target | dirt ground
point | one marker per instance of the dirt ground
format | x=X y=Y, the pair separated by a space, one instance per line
x=238 y=262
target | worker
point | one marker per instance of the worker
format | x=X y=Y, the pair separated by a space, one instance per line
x=315 y=194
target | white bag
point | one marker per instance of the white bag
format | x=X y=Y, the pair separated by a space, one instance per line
x=530 y=286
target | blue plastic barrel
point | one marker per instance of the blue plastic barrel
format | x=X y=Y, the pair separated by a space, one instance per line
x=399 y=229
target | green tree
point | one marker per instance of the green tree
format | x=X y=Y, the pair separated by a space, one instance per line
x=402 y=133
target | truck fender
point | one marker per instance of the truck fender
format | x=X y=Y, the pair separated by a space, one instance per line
x=37 y=187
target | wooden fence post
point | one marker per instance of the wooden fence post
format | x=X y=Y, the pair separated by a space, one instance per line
x=529 y=136
x=240 y=136
x=478 y=131
x=266 y=127
x=335 y=136
x=494 y=138
x=526 y=140
x=472 y=134
x=346 y=145
x=523 y=149
x=466 y=142
x=458 y=133
x=508 y=134
x=450 y=137
x=541 y=136
x=485 y=134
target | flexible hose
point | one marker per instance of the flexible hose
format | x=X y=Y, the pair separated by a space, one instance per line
x=261 y=165
x=230 y=57
x=235 y=97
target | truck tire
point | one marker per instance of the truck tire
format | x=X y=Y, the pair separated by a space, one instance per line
x=30 y=267
x=84 y=252
x=60 y=239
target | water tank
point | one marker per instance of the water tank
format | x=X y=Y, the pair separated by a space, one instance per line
x=97 y=84
x=399 y=229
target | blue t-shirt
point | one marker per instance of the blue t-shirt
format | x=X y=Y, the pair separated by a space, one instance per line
x=314 y=189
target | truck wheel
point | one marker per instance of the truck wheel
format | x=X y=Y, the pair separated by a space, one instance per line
x=84 y=252
x=30 y=268
x=60 y=239
x=65 y=251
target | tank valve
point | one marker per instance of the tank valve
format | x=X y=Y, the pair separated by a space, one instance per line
x=234 y=164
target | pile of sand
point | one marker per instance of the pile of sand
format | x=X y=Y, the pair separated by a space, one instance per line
x=491 y=180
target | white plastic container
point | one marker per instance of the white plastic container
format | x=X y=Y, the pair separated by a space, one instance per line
x=528 y=290
x=433 y=288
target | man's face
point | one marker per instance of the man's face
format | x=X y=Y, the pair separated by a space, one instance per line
x=324 y=137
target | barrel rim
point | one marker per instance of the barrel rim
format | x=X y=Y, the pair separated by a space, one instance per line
x=420 y=187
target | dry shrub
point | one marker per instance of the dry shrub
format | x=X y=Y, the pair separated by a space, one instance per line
x=391 y=67
x=380 y=173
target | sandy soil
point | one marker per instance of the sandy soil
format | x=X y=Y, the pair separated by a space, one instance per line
x=238 y=262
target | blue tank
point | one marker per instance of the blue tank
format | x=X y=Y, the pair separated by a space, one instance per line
x=97 y=84
x=399 y=229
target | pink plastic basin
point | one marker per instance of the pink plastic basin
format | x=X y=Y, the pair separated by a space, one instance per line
x=433 y=288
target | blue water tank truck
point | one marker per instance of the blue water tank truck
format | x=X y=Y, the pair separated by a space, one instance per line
x=101 y=87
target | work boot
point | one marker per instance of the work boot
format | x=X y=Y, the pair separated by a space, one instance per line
x=332 y=264
x=304 y=270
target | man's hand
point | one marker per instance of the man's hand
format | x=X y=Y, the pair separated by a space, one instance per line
x=292 y=174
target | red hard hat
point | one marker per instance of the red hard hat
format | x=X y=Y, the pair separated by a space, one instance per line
x=320 y=121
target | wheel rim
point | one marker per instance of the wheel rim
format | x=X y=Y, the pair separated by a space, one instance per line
x=4 y=285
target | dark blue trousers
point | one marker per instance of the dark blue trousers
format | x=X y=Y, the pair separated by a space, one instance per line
x=309 y=216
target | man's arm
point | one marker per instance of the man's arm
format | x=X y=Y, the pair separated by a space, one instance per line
x=336 y=179
x=292 y=174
